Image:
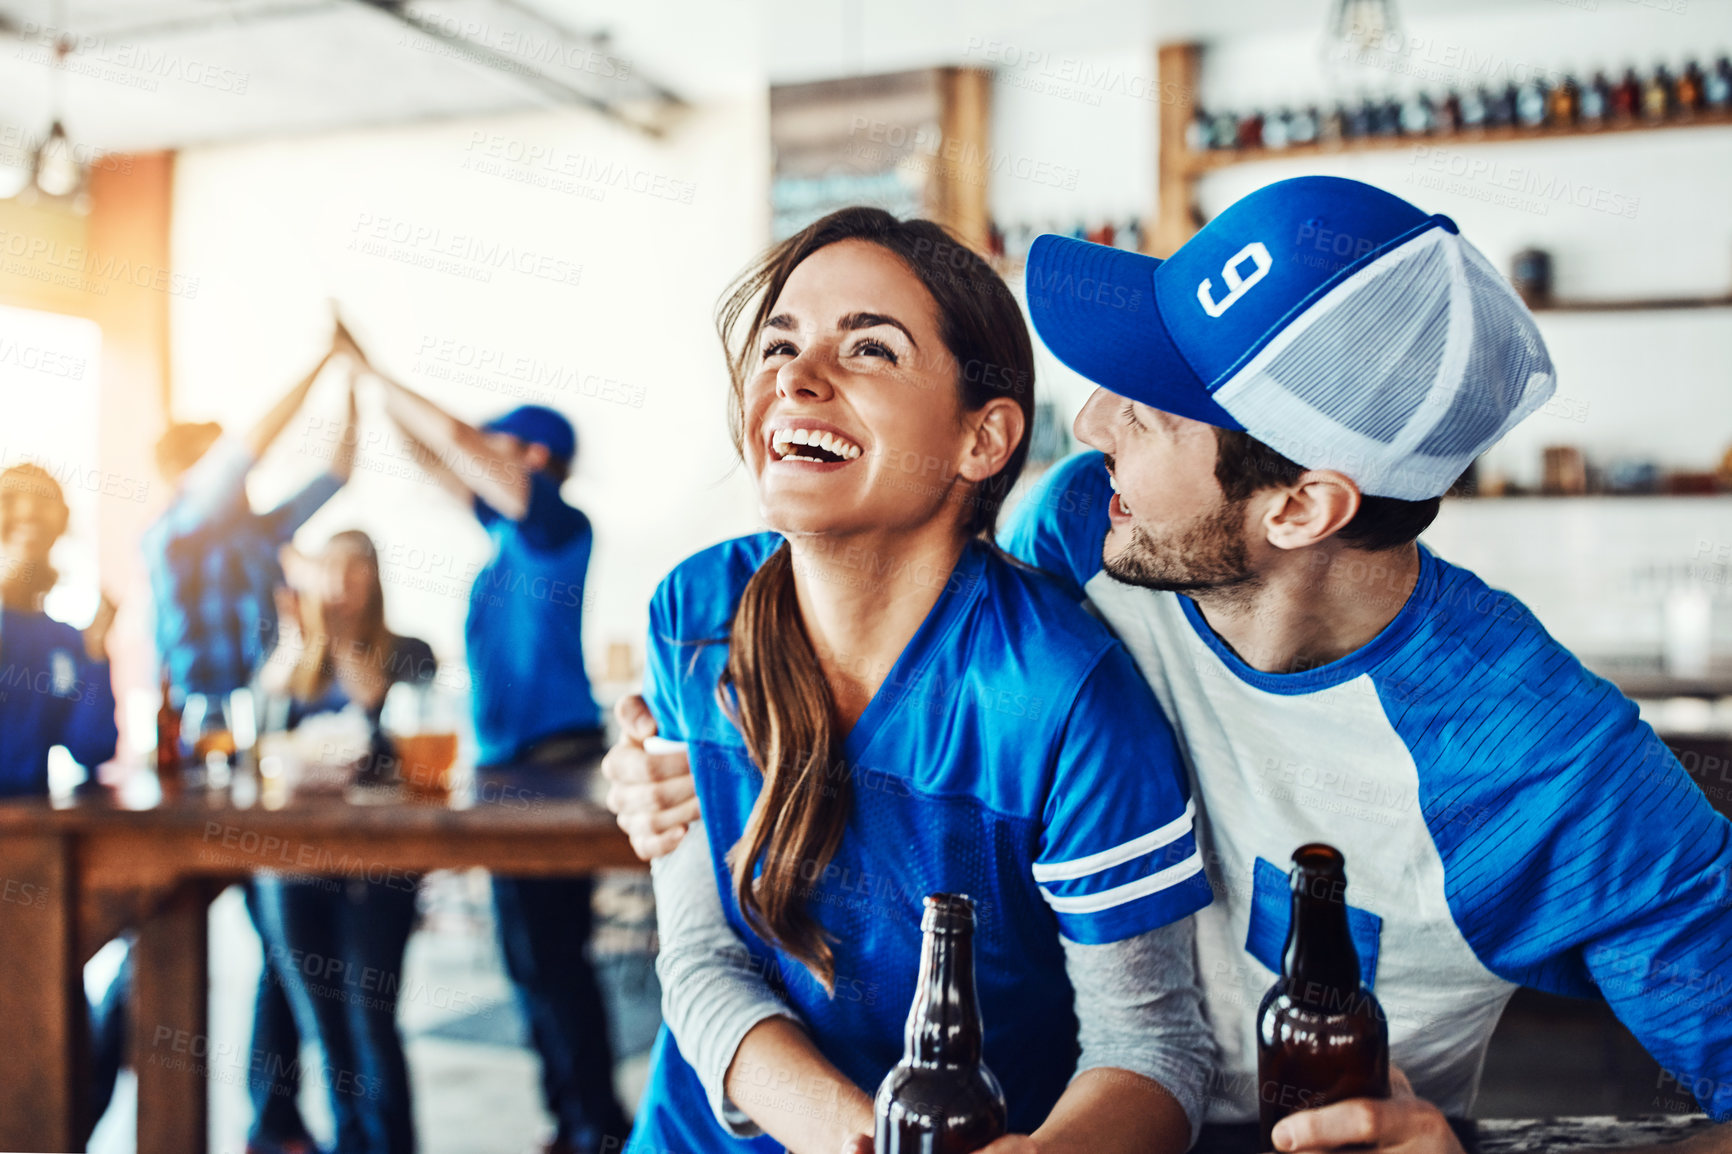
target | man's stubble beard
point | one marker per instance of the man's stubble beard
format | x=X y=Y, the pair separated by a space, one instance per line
x=1208 y=558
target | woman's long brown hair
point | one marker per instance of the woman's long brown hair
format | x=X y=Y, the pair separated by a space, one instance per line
x=316 y=668
x=779 y=695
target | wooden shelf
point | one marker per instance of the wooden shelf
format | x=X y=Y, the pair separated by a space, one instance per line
x=1198 y=163
x=1175 y=218
x=1655 y=304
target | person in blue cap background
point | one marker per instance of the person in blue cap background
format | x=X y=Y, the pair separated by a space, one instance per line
x=532 y=705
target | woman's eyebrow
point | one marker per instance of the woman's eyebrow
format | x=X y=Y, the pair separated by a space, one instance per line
x=781 y=321
x=871 y=320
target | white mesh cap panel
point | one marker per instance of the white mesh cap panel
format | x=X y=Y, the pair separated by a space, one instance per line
x=1399 y=376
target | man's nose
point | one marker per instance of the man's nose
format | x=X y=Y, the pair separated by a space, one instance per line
x=1092 y=426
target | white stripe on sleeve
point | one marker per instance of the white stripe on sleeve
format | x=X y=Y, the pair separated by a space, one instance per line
x=1094 y=863
x=1130 y=892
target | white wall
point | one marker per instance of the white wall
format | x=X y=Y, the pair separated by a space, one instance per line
x=274 y=229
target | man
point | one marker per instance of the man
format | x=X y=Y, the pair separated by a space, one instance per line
x=533 y=706
x=1282 y=404
x=214 y=574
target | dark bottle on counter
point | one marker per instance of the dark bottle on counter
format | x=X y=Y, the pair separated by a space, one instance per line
x=1626 y=95
x=1386 y=117
x=168 y=755
x=1657 y=94
x=1596 y=101
x=1332 y=127
x=1225 y=131
x=1360 y=119
x=1321 y=1035
x=941 y=1098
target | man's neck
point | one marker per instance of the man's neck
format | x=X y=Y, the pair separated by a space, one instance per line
x=1314 y=607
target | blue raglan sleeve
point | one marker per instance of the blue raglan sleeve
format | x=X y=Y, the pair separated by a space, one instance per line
x=661 y=684
x=1061 y=521
x=1118 y=854
x=1579 y=856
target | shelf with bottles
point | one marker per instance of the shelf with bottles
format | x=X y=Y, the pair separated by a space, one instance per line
x=1538 y=108
x=1007 y=242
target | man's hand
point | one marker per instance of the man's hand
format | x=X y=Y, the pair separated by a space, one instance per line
x=652 y=793
x=1402 y=1122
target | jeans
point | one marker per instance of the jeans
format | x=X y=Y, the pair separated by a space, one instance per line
x=274 y=1065
x=338 y=945
x=544 y=926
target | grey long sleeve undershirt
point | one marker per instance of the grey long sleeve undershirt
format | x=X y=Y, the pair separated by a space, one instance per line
x=1138 y=1004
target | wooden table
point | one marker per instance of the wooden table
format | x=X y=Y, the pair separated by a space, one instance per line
x=1512 y=1135
x=74 y=876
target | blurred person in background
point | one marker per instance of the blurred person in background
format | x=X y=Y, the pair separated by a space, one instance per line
x=56 y=691
x=532 y=706
x=214 y=574
x=338 y=942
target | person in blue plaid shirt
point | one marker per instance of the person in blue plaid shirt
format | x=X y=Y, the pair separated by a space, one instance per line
x=214 y=575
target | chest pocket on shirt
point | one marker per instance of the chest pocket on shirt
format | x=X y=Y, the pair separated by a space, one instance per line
x=1272 y=914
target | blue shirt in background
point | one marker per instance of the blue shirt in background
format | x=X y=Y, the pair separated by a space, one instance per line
x=525 y=628
x=214 y=570
x=51 y=694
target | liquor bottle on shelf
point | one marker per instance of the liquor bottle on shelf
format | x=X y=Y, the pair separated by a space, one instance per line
x=1277 y=129
x=1657 y=94
x=1475 y=106
x=1500 y=110
x=1360 y=119
x=1321 y=1035
x=1197 y=131
x=1386 y=117
x=1596 y=101
x=1332 y=126
x=1562 y=102
x=1224 y=131
x=1717 y=85
x=940 y=1098
x=1530 y=103
x=1418 y=117
x=1689 y=91
x=1626 y=96
x=1251 y=130
x=1449 y=114
x=1302 y=126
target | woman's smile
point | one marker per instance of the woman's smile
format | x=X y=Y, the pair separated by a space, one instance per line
x=810 y=445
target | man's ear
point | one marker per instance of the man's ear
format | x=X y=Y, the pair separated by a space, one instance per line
x=1312 y=509
x=995 y=430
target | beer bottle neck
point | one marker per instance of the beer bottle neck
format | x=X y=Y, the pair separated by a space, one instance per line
x=1319 y=961
x=944 y=1022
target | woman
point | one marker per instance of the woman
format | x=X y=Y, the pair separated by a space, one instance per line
x=339 y=942
x=877 y=705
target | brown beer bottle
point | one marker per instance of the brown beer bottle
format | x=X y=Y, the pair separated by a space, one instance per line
x=1321 y=1035
x=941 y=1098
x=168 y=737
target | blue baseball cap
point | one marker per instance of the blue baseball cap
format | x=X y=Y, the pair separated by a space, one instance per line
x=1333 y=321
x=539 y=425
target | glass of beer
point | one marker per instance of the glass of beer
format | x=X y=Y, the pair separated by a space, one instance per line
x=421 y=723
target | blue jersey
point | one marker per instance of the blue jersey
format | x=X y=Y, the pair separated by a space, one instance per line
x=524 y=635
x=1013 y=754
x=51 y=694
x=1507 y=819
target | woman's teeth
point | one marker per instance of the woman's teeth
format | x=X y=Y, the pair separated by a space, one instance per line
x=827 y=446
